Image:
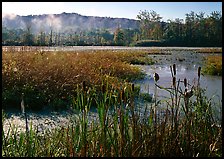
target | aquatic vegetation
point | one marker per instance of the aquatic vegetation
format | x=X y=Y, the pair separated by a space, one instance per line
x=186 y=127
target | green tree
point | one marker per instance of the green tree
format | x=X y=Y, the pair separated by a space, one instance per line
x=119 y=37
x=41 y=38
x=174 y=32
x=150 y=25
x=130 y=35
x=51 y=38
x=28 y=37
x=215 y=28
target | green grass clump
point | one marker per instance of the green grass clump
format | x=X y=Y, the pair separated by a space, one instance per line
x=213 y=65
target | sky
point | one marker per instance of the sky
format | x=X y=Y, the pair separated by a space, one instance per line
x=167 y=10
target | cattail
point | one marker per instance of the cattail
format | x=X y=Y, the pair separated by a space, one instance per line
x=24 y=112
x=188 y=94
x=123 y=96
x=132 y=87
x=22 y=104
x=171 y=71
x=104 y=89
x=199 y=72
x=156 y=77
x=185 y=82
x=174 y=81
x=174 y=69
x=84 y=85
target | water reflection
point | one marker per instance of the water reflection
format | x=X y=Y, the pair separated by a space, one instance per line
x=212 y=84
x=188 y=68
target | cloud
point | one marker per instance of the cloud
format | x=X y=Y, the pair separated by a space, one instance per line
x=49 y=22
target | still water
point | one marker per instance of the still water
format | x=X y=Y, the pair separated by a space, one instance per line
x=187 y=64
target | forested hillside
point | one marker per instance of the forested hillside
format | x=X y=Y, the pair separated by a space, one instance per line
x=71 y=29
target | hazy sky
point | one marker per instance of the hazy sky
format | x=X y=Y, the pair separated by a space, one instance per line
x=168 y=10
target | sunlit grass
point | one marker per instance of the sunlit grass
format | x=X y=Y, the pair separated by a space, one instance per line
x=213 y=65
x=52 y=77
x=209 y=50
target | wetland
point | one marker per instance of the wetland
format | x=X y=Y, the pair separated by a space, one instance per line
x=113 y=69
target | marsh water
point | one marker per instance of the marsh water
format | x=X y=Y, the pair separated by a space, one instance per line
x=187 y=63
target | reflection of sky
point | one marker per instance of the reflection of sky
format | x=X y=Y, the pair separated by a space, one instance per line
x=212 y=84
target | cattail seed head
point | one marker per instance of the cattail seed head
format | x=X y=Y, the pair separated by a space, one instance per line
x=122 y=95
x=132 y=87
x=22 y=103
x=185 y=82
x=188 y=94
x=174 y=81
x=84 y=85
x=199 y=72
x=174 y=69
x=156 y=77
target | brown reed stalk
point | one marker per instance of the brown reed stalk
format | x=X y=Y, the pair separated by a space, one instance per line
x=24 y=112
x=199 y=98
x=84 y=124
x=156 y=78
x=134 y=122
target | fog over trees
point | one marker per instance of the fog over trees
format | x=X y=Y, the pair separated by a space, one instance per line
x=72 y=29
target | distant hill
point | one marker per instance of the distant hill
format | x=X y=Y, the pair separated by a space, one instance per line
x=66 y=22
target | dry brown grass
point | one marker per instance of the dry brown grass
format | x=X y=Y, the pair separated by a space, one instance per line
x=209 y=50
x=57 y=74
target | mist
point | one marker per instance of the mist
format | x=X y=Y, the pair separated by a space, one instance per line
x=65 y=22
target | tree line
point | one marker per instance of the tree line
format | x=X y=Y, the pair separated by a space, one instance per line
x=194 y=30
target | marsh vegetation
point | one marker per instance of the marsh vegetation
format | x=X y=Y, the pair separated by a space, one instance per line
x=103 y=79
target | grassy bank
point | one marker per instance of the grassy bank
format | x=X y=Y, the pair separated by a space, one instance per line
x=186 y=127
x=213 y=65
x=209 y=50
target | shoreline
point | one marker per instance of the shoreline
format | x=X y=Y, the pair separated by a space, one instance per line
x=78 y=48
